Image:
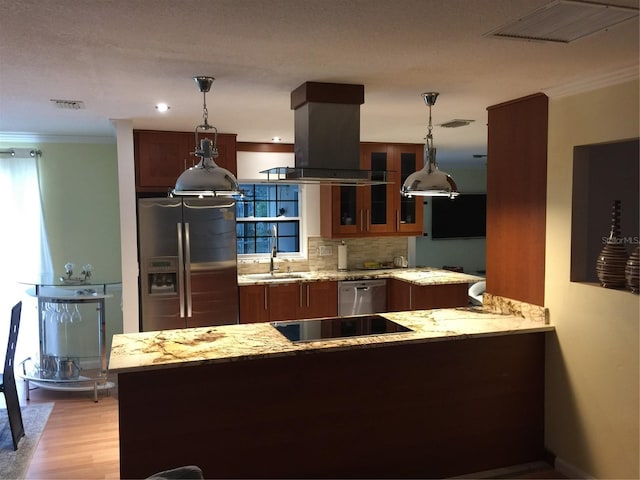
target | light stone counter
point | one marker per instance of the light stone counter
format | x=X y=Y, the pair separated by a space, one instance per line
x=417 y=276
x=189 y=347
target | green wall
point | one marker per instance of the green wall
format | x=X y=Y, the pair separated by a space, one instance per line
x=79 y=184
x=79 y=187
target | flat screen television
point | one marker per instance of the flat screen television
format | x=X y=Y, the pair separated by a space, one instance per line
x=462 y=217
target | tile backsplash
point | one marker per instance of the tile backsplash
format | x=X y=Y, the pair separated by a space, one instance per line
x=359 y=250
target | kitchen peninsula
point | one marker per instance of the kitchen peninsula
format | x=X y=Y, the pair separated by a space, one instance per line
x=461 y=391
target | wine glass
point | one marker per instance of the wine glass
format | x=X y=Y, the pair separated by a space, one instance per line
x=75 y=315
x=65 y=316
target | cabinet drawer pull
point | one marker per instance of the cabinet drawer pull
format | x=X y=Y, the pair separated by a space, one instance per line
x=266 y=295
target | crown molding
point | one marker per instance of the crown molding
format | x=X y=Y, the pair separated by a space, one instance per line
x=615 y=77
x=34 y=138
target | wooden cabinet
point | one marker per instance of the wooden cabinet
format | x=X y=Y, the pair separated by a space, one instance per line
x=375 y=210
x=425 y=410
x=288 y=301
x=318 y=299
x=516 y=198
x=160 y=157
x=403 y=296
x=253 y=301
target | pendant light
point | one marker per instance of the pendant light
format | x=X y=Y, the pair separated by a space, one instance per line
x=206 y=179
x=429 y=181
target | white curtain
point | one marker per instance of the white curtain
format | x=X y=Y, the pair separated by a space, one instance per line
x=23 y=246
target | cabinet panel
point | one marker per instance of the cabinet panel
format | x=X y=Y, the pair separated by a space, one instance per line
x=408 y=210
x=283 y=301
x=318 y=299
x=379 y=200
x=288 y=301
x=253 y=304
x=516 y=198
x=439 y=296
x=406 y=296
x=160 y=157
x=375 y=210
x=398 y=295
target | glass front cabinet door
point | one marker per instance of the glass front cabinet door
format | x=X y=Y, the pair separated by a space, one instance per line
x=409 y=158
x=375 y=210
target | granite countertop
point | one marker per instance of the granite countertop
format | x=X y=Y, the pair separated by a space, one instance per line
x=195 y=346
x=417 y=276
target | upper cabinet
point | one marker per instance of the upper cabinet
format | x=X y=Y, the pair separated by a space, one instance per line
x=160 y=157
x=376 y=210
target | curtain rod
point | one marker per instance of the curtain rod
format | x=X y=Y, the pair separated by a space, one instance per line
x=34 y=152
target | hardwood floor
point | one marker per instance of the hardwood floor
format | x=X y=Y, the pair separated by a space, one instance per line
x=80 y=440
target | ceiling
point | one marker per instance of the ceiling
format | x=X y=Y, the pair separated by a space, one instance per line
x=121 y=57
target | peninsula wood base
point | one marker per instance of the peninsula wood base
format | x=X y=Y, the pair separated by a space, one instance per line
x=422 y=410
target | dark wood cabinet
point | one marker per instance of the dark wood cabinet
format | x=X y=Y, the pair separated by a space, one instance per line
x=160 y=157
x=516 y=198
x=402 y=296
x=288 y=301
x=375 y=210
x=318 y=299
x=253 y=303
x=408 y=410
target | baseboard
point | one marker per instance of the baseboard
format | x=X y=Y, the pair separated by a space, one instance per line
x=506 y=472
x=569 y=470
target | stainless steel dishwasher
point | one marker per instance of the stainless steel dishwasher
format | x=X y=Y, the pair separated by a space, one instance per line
x=356 y=297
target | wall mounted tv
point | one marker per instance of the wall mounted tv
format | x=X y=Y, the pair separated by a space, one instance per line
x=462 y=217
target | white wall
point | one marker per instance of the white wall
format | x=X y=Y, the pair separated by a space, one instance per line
x=251 y=163
x=468 y=253
x=592 y=362
x=128 y=226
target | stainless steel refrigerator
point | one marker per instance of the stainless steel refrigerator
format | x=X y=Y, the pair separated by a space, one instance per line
x=188 y=268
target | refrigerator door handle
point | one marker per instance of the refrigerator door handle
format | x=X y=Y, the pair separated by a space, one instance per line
x=180 y=270
x=187 y=269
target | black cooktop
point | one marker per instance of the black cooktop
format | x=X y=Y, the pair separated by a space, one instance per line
x=327 y=328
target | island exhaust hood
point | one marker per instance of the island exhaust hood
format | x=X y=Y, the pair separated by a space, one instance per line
x=327 y=137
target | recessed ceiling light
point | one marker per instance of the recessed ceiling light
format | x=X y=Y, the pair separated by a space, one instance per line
x=162 y=107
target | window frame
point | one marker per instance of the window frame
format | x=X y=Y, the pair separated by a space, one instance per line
x=301 y=252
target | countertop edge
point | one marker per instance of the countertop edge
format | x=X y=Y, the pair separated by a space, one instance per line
x=416 y=276
x=437 y=326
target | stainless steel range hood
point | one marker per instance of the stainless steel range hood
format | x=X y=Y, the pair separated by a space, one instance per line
x=327 y=137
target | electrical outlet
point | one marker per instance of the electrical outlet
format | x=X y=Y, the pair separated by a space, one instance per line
x=325 y=250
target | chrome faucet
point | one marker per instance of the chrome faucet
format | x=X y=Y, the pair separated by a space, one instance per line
x=274 y=249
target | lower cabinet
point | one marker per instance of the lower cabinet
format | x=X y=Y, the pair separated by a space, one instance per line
x=403 y=295
x=288 y=301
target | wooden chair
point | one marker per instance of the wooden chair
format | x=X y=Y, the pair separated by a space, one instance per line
x=8 y=380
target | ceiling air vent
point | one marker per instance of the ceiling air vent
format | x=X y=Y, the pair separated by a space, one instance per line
x=68 y=104
x=455 y=123
x=564 y=21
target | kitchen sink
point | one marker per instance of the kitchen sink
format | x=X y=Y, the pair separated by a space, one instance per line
x=275 y=277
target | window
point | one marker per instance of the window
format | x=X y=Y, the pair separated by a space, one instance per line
x=263 y=207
